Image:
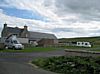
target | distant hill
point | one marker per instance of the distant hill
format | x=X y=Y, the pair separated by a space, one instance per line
x=94 y=40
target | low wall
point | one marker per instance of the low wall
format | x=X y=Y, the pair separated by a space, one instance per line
x=27 y=45
x=81 y=53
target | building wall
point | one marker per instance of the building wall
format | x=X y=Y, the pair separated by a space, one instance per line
x=56 y=41
x=2 y=40
x=24 y=34
x=46 y=42
x=1 y=45
x=23 y=40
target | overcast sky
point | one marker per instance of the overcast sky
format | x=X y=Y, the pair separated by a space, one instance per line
x=64 y=18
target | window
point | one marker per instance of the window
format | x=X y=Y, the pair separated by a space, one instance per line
x=7 y=41
x=86 y=43
x=11 y=41
x=78 y=43
x=82 y=43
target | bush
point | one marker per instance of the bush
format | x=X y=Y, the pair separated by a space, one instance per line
x=70 y=65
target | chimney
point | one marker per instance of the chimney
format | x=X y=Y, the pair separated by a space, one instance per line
x=5 y=25
x=25 y=27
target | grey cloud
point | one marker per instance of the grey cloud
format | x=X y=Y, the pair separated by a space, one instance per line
x=85 y=9
x=47 y=3
x=77 y=5
x=75 y=30
x=70 y=21
x=0 y=28
x=62 y=29
x=78 y=32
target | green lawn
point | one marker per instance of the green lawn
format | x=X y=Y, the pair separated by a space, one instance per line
x=31 y=49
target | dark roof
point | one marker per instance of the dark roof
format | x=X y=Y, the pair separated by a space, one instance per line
x=15 y=30
x=32 y=35
x=38 y=35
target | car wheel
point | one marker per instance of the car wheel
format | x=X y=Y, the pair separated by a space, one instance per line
x=13 y=48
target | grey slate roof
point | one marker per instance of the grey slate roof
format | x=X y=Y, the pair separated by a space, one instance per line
x=38 y=35
x=14 y=30
x=32 y=35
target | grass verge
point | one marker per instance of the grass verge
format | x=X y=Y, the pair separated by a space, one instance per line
x=31 y=49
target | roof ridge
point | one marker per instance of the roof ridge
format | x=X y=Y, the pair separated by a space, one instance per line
x=40 y=32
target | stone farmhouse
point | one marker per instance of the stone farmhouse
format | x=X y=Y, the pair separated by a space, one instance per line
x=25 y=36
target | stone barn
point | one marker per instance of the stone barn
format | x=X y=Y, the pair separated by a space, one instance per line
x=29 y=37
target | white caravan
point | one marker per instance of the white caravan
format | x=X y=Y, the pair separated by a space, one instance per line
x=84 y=44
x=12 y=42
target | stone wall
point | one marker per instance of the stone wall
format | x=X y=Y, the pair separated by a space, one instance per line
x=1 y=46
x=83 y=53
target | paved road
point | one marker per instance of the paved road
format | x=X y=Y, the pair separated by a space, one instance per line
x=20 y=68
x=18 y=63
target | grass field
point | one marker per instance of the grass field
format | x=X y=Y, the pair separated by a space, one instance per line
x=94 y=40
x=31 y=49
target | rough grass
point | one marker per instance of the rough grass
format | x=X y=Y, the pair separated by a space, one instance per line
x=70 y=65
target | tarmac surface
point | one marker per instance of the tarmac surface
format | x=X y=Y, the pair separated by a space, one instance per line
x=18 y=63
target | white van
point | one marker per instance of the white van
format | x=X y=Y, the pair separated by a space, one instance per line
x=13 y=43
